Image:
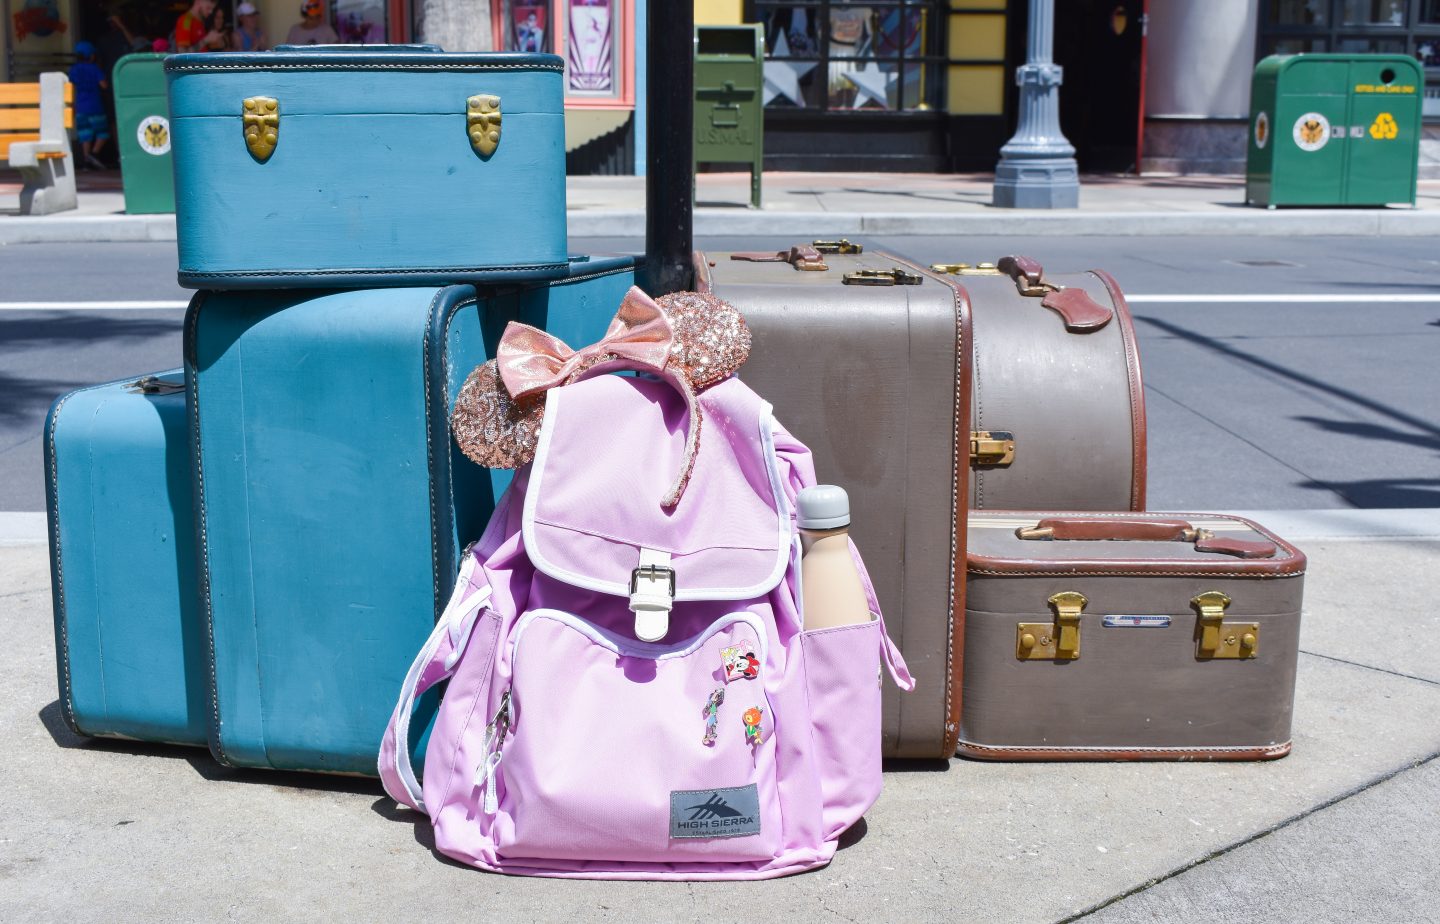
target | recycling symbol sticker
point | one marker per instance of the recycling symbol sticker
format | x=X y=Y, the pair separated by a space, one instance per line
x=153 y=134
x=1384 y=128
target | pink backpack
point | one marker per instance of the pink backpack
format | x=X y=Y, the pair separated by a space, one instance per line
x=733 y=744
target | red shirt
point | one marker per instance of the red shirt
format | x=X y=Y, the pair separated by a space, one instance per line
x=189 y=30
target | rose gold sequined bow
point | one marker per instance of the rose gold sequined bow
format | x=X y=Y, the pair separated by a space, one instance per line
x=532 y=361
x=690 y=339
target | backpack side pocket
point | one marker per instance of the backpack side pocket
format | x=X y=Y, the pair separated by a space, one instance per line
x=842 y=677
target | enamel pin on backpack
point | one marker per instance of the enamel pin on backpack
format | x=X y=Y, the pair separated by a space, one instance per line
x=632 y=690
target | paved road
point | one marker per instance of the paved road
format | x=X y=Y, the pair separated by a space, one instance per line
x=1264 y=400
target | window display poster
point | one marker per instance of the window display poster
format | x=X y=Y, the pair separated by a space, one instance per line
x=529 y=27
x=360 y=22
x=591 y=46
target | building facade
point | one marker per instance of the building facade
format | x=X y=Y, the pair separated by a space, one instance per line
x=904 y=85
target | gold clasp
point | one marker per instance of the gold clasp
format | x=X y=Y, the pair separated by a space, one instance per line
x=261 y=123
x=966 y=269
x=1057 y=641
x=840 y=246
x=482 y=123
x=1218 y=639
x=992 y=447
x=890 y=277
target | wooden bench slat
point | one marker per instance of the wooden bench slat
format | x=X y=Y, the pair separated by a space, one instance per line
x=8 y=139
x=25 y=119
x=16 y=94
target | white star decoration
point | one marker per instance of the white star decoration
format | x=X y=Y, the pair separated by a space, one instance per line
x=782 y=78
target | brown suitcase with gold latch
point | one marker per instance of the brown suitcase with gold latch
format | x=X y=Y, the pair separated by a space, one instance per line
x=867 y=358
x=1129 y=636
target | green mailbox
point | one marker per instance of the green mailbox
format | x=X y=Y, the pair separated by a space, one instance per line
x=1332 y=129
x=729 y=107
x=142 y=118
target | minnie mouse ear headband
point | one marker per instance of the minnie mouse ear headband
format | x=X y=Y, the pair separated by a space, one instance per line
x=691 y=339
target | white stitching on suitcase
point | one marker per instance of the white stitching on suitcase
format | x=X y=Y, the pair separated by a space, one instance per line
x=355 y=66
x=427 y=271
x=68 y=708
x=1101 y=749
x=192 y=394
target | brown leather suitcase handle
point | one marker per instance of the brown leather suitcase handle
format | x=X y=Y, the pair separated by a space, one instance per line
x=1120 y=529
x=801 y=256
x=1081 y=313
x=1137 y=529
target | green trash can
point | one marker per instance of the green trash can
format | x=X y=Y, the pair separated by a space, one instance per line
x=1333 y=129
x=142 y=117
x=729 y=108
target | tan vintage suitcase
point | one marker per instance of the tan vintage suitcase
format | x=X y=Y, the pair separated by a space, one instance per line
x=874 y=379
x=1128 y=636
x=866 y=357
x=1058 y=407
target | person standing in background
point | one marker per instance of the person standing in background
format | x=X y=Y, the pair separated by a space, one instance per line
x=312 y=29
x=192 y=32
x=219 y=37
x=250 y=35
x=92 y=126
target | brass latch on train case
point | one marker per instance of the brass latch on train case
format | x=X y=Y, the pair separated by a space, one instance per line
x=1057 y=641
x=841 y=246
x=890 y=277
x=966 y=269
x=992 y=447
x=1216 y=638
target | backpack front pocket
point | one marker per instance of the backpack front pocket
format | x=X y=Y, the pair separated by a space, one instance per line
x=613 y=750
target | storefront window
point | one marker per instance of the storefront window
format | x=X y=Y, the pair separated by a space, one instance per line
x=1358 y=27
x=360 y=22
x=527 y=26
x=1374 y=12
x=847 y=56
x=1299 y=12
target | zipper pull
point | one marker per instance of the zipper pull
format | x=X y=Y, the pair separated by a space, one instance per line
x=495 y=734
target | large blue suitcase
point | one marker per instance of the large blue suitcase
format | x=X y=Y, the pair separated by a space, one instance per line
x=344 y=165
x=333 y=504
x=129 y=640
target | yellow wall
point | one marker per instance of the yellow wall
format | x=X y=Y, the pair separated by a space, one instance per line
x=716 y=12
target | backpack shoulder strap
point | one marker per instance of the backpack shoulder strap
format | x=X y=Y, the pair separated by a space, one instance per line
x=435 y=662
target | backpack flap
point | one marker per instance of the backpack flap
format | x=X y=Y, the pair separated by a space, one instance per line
x=608 y=452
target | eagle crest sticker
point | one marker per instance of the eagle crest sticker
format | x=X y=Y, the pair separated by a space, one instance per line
x=1311 y=131
x=153 y=134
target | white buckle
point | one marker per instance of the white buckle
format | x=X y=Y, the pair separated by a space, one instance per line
x=652 y=596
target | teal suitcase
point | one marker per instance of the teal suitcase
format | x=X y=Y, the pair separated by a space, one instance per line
x=333 y=505
x=376 y=165
x=129 y=646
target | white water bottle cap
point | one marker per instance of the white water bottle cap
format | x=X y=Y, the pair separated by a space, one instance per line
x=825 y=506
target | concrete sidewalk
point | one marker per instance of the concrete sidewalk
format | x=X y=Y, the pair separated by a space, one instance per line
x=808 y=204
x=1341 y=830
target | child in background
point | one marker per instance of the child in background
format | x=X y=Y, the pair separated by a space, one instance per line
x=92 y=127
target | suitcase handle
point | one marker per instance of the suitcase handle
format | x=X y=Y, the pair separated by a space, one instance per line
x=801 y=256
x=1137 y=529
x=1081 y=313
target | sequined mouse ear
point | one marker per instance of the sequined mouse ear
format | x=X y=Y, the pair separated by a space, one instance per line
x=489 y=426
x=711 y=338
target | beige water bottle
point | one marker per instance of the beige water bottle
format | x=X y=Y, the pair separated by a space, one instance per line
x=830 y=588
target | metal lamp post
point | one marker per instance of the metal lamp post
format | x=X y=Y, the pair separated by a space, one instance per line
x=1037 y=167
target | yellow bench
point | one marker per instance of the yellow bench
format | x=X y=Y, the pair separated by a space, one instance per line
x=35 y=123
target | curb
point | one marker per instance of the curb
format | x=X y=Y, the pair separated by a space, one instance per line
x=1246 y=223
x=709 y=222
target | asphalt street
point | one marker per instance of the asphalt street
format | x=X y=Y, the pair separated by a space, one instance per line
x=1280 y=373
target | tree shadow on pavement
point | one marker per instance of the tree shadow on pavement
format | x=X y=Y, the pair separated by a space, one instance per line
x=1383 y=493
